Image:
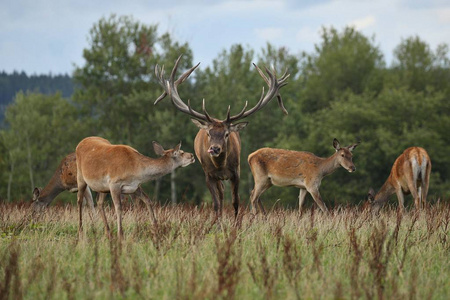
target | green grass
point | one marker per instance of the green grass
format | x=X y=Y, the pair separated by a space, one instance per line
x=349 y=254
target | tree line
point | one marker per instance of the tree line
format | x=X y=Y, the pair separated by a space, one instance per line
x=343 y=89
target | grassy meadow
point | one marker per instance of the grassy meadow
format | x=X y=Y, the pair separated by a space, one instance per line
x=349 y=254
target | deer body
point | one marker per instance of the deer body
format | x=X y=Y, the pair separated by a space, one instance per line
x=64 y=179
x=217 y=144
x=225 y=166
x=300 y=169
x=410 y=174
x=120 y=169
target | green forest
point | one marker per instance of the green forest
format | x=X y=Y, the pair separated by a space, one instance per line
x=343 y=89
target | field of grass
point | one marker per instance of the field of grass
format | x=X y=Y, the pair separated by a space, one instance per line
x=349 y=254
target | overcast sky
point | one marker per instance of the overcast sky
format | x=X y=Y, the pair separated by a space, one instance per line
x=42 y=36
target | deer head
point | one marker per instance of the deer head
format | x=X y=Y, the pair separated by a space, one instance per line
x=345 y=155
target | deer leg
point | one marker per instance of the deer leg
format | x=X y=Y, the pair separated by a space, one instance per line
x=100 y=204
x=318 y=199
x=144 y=198
x=425 y=184
x=255 y=196
x=80 y=195
x=217 y=201
x=115 y=195
x=301 y=199
x=89 y=199
x=401 y=199
x=412 y=186
x=235 y=195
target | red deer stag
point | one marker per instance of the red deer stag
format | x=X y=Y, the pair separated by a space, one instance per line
x=410 y=174
x=217 y=144
x=64 y=179
x=120 y=169
x=295 y=168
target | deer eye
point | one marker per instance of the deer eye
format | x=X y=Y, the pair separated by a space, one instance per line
x=342 y=155
x=227 y=134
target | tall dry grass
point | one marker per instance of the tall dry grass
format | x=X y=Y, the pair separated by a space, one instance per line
x=188 y=254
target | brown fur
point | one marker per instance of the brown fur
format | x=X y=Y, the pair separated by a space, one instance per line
x=225 y=166
x=120 y=169
x=64 y=179
x=413 y=163
x=295 y=168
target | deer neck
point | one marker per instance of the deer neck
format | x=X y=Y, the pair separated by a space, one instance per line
x=50 y=191
x=385 y=191
x=157 y=167
x=329 y=165
x=219 y=161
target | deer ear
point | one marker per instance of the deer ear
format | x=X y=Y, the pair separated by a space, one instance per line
x=336 y=144
x=36 y=193
x=200 y=124
x=178 y=147
x=352 y=147
x=371 y=195
x=238 y=126
x=159 y=150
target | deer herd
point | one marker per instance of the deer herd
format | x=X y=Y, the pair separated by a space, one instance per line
x=119 y=170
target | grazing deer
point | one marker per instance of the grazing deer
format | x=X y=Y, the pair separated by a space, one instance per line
x=120 y=169
x=217 y=144
x=64 y=179
x=410 y=174
x=295 y=168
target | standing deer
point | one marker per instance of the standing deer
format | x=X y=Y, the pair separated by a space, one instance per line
x=295 y=168
x=64 y=179
x=120 y=169
x=217 y=144
x=410 y=174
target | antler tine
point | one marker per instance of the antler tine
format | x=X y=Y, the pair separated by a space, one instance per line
x=159 y=72
x=170 y=88
x=236 y=117
x=274 y=87
x=205 y=112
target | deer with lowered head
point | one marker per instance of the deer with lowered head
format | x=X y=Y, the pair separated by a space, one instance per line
x=64 y=179
x=120 y=169
x=300 y=169
x=217 y=144
x=410 y=174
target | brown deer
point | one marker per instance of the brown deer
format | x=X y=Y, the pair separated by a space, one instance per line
x=410 y=174
x=295 y=168
x=217 y=144
x=64 y=179
x=120 y=169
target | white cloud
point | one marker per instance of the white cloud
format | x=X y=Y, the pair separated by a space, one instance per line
x=443 y=15
x=363 y=23
x=269 y=33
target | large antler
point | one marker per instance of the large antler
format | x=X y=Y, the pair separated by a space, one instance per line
x=274 y=87
x=170 y=88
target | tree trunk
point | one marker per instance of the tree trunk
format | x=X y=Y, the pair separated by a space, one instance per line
x=173 y=188
x=157 y=188
x=30 y=167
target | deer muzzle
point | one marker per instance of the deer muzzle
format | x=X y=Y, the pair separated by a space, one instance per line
x=214 y=150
